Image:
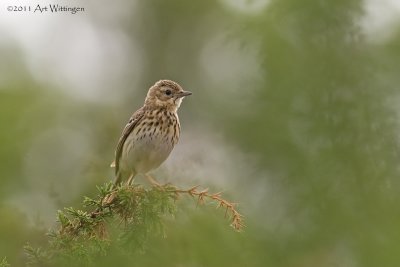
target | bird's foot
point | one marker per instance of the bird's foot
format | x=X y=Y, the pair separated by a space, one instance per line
x=154 y=183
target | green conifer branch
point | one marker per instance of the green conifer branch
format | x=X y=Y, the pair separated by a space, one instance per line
x=123 y=215
x=4 y=263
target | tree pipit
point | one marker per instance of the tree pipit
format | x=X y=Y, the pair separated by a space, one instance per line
x=151 y=133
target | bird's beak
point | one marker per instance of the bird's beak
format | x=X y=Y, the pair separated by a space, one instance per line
x=184 y=93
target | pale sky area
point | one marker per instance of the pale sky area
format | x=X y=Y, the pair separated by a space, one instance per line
x=51 y=57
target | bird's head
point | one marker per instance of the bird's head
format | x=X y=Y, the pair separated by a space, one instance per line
x=166 y=94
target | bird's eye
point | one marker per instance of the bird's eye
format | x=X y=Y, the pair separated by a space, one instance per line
x=168 y=92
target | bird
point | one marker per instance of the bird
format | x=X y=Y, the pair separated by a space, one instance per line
x=150 y=134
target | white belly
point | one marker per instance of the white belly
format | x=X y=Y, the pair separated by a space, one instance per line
x=144 y=155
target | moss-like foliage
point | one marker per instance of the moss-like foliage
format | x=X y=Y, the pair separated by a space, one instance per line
x=120 y=217
x=4 y=263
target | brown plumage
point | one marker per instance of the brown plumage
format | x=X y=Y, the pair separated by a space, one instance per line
x=151 y=133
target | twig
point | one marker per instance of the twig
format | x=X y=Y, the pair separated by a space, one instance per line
x=230 y=208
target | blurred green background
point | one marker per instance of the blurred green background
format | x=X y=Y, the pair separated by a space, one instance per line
x=294 y=115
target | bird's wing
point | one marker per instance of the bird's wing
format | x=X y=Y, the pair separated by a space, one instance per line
x=133 y=121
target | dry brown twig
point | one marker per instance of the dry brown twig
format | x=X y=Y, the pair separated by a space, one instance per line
x=230 y=208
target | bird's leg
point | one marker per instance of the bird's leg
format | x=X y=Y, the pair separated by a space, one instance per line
x=152 y=180
x=130 y=180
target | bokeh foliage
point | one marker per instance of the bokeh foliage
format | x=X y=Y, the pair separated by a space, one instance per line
x=319 y=122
